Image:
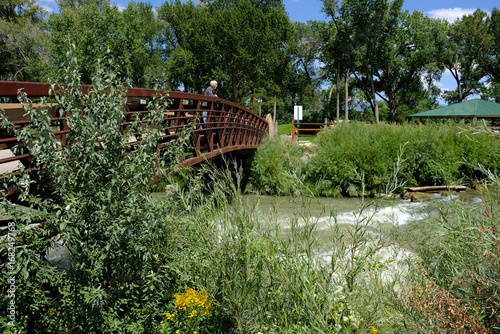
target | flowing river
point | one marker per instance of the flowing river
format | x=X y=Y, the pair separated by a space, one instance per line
x=395 y=212
x=324 y=213
x=376 y=214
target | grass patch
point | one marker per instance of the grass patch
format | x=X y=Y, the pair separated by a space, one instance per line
x=285 y=129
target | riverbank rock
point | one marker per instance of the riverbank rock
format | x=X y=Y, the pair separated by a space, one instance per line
x=286 y=137
x=308 y=144
x=269 y=119
x=407 y=195
x=418 y=197
x=306 y=156
x=385 y=196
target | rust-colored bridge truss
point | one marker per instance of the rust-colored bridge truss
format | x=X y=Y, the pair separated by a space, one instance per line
x=218 y=126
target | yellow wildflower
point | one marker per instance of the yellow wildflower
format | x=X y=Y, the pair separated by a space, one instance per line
x=192 y=298
x=373 y=330
x=52 y=311
x=169 y=315
x=192 y=314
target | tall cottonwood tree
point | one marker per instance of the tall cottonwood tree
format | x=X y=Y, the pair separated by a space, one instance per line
x=188 y=49
x=340 y=47
x=490 y=62
x=375 y=22
x=327 y=33
x=251 y=38
x=467 y=45
x=305 y=54
x=407 y=52
x=240 y=43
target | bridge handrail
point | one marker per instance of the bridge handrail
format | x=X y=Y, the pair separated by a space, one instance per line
x=40 y=89
x=225 y=126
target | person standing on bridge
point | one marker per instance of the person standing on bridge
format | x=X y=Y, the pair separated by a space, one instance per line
x=210 y=91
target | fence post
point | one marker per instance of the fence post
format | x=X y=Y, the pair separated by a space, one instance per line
x=293 y=129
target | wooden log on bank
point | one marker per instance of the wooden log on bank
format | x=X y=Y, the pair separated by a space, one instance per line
x=436 y=188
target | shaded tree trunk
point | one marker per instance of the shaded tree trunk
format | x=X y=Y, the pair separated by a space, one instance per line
x=275 y=125
x=338 y=94
x=347 y=95
x=330 y=95
x=375 y=103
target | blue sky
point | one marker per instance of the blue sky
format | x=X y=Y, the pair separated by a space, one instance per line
x=304 y=10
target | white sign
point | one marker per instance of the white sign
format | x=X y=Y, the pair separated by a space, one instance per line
x=297 y=113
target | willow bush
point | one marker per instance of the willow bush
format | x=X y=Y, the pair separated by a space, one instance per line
x=351 y=155
x=93 y=195
x=277 y=166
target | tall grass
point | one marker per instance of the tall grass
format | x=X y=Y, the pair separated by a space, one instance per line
x=441 y=277
x=457 y=284
x=267 y=279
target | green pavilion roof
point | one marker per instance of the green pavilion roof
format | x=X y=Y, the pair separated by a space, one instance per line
x=472 y=108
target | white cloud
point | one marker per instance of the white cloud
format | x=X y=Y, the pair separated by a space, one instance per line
x=447 y=81
x=121 y=8
x=450 y=14
x=47 y=5
x=47 y=8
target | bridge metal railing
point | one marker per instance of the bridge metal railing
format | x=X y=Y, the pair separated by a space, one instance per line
x=217 y=126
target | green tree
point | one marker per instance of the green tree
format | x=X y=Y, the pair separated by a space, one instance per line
x=407 y=54
x=328 y=33
x=251 y=38
x=101 y=29
x=242 y=44
x=468 y=44
x=375 y=22
x=305 y=56
x=23 y=41
x=340 y=47
x=189 y=53
x=490 y=62
x=74 y=4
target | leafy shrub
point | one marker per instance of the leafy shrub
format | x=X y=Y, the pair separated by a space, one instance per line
x=277 y=166
x=313 y=116
x=94 y=195
x=429 y=155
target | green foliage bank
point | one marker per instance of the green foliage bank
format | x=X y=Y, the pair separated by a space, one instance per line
x=380 y=159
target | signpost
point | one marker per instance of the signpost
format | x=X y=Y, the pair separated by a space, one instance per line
x=297 y=113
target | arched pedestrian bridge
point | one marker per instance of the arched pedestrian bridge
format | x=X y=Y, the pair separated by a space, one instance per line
x=217 y=126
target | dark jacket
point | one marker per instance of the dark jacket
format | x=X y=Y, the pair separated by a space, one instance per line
x=210 y=91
